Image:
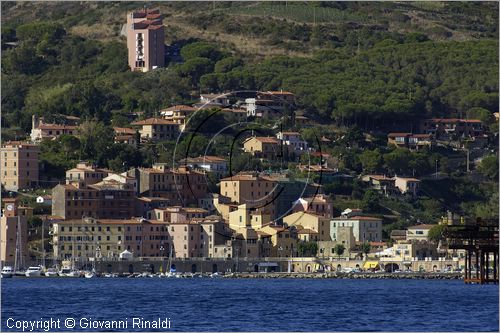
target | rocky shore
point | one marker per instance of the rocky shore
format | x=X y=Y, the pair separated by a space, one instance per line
x=416 y=275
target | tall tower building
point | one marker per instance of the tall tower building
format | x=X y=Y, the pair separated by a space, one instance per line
x=14 y=233
x=145 y=40
x=19 y=165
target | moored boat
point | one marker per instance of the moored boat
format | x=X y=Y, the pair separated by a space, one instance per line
x=7 y=272
x=68 y=272
x=34 y=271
x=51 y=272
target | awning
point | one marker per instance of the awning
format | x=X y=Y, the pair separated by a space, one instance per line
x=370 y=264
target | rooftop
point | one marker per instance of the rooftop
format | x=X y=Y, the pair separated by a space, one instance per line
x=421 y=226
x=263 y=139
x=153 y=121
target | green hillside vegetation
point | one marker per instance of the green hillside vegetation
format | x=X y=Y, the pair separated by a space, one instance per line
x=355 y=67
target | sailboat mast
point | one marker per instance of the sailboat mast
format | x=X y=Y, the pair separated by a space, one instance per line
x=72 y=245
x=43 y=242
x=18 y=246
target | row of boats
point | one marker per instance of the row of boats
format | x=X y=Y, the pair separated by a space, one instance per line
x=39 y=271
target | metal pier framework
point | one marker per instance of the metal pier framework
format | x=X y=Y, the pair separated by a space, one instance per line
x=480 y=242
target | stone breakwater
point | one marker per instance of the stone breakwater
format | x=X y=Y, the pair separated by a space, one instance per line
x=424 y=276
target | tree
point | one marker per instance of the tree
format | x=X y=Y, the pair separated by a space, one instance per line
x=398 y=161
x=339 y=250
x=365 y=248
x=371 y=160
x=307 y=249
x=96 y=142
x=201 y=50
x=227 y=64
x=489 y=167
x=436 y=233
x=371 y=201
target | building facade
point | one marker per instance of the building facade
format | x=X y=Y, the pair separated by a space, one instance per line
x=14 y=233
x=145 y=40
x=364 y=228
x=19 y=162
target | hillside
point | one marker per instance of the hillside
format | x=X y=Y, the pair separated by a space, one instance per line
x=263 y=29
x=359 y=71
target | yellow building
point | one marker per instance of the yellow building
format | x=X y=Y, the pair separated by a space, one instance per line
x=157 y=129
x=19 y=165
x=419 y=232
x=282 y=241
x=85 y=174
x=262 y=147
x=254 y=190
x=311 y=227
x=178 y=114
x=101 y=238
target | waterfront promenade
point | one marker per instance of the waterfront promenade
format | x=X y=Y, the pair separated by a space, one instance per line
x=270 y=265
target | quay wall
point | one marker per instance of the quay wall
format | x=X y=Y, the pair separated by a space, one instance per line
x=247 y=265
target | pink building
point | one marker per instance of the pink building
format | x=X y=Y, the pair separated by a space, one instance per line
x=145 y=40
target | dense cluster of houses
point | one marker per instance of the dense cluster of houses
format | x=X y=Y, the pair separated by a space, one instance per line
x=164 y=210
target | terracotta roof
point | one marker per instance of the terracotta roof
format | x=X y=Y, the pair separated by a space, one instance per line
x=153 y=121
x=360 y=218
x=422 y=226
x=247 y=177
x=379 y=177
x=124 y=130
x=399 y=134
x=11 y=144
x=124 y=137
x=56 y=127
x=203 y=159
x=264 y=139
x=180 y=108
x=307 y=231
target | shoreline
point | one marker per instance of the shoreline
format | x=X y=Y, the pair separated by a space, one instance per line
x=393 y=276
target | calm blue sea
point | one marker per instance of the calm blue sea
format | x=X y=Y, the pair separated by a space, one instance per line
x=255 y=305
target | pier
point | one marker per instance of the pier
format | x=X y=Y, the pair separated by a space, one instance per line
x=480 y=242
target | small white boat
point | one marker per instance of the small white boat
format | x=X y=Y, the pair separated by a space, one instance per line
x=7 y=272
x=51 y=272
x=110 y=275
x=34 y=271
x=68 y=272
x=90 y=275
x=215 y=275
